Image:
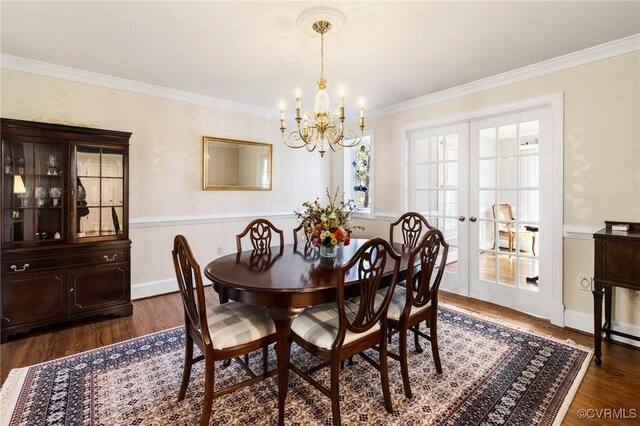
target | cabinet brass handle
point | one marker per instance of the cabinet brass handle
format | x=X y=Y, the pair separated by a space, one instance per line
x=108 y=259
x=24 y=267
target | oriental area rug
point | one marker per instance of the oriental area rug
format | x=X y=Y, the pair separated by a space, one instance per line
x=493 y=374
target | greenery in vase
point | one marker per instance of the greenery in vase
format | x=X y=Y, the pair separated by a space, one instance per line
x=328 y=225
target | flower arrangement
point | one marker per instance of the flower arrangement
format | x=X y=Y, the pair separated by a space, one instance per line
x=361 y=165
x=330 y=225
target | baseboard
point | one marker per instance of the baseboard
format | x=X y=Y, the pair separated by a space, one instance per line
x=584 y=322
x=153 y=288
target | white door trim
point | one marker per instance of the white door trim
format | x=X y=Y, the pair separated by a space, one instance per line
x=555 y=101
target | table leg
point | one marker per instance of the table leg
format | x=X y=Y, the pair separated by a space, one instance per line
x=282 y=318
x=598 y=292
x=607 y=311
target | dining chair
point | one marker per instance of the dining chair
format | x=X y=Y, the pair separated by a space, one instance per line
x=222 y=332
x=300 y=231
x=339 y=330
x=261 y=235
x=418 y=301
x=412 y=225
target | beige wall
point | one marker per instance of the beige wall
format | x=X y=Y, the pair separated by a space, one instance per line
x=601 y=157
x=166 y=165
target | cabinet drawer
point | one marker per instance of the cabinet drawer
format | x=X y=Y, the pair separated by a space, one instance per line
x=30 y=264
x=101 y=257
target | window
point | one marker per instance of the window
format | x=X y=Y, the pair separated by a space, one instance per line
x=357 y=175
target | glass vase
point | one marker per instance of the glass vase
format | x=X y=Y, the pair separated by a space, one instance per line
x=329 y=252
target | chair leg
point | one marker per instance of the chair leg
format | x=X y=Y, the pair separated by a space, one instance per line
x=335 y=392
x=246 y=359
x=186 y=370
x=416 y=339
x=403 y=363
x=384 y=375
x=433 y=332
x=208 y=393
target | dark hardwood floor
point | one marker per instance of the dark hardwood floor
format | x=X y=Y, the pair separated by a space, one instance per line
x=614 y=386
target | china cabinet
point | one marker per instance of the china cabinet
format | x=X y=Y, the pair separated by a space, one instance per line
x=65 y=234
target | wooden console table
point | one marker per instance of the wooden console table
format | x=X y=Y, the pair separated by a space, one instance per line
x=617 y=263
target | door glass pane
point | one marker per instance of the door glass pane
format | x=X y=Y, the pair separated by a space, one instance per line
x=111 y=220
x=422 y=201
x=422 y=176
x=91 y=189
x=487 y=264
x=451 y=147
x=507 y=172
x=487 y=178
x=487 y=232
x=112 y=163
x=529 y=171
x=88 y=161
x=528 y=278
x=507 y=140
x=529 y=202
x=507 y=266
x=487 y=146
x=433 y=148
x=487 y=200
x=449 y=174
x=112 y=192
x=450 y=202
x=422 y=150
x=89 y=224
x=432 y=170
x=528 y=135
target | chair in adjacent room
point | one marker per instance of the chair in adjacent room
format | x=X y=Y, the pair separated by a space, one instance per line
x=507 y=228
x=261 y=233
x=221 y=332
x=418 y=301
x=412 y=225
x=339 y=330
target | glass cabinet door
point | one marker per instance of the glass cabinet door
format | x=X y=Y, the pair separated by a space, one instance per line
x=100 y=192
x=33 y=191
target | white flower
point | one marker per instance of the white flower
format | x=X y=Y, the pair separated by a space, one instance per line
x=332 y=215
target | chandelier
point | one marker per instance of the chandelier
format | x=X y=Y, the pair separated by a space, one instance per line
x=320 y=128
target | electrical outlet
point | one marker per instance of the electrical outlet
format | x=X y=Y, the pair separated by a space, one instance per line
x=220 y=250
x=585 y=282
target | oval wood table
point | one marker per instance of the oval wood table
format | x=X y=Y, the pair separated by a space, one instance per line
x=285 y=280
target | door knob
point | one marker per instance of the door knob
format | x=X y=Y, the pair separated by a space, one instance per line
x=473 y=219
x=461 y=218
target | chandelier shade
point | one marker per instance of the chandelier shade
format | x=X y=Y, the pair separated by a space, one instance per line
x=321 y=128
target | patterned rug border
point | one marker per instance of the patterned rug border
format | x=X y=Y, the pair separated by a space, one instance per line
x=10 y=391
x=11 y=387
x=571 y=393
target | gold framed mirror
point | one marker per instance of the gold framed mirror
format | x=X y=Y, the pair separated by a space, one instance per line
x=233 y=165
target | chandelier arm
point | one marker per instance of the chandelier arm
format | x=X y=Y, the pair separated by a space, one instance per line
x=290 y=141
x=351 y=135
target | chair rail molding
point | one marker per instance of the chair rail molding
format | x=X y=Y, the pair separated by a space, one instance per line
x=162 y=221
x=580 y=232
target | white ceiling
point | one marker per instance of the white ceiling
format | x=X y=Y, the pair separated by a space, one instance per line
x=254 y=52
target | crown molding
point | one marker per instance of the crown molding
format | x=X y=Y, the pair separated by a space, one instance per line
x=582 y=57
x=16 y=63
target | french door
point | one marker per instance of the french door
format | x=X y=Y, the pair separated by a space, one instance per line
x=438 y=176
x=487 y=185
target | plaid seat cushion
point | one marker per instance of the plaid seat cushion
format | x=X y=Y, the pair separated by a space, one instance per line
x=318 y=325
x=398 y=300
x=236 y=323
x=396 y=306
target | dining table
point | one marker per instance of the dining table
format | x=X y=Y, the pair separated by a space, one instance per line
x=285 y=280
